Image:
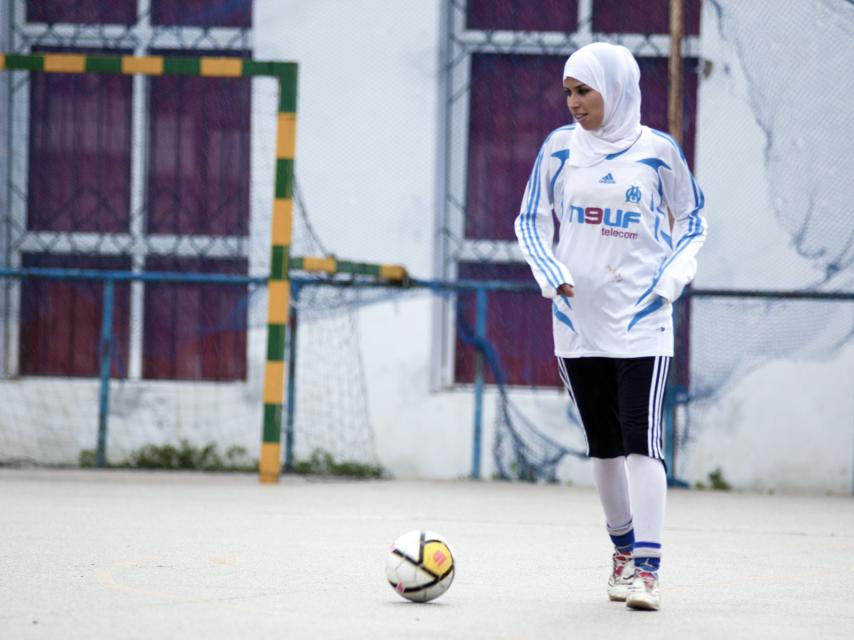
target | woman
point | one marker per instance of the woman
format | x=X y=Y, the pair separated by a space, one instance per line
x=613 y=277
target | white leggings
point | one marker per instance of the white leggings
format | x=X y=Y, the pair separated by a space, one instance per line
x=632 y=489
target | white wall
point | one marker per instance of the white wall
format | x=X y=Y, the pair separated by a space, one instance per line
x=782 y=412
x=367 y=146
x=367 y=112
x=419 y=432
x=366 y=160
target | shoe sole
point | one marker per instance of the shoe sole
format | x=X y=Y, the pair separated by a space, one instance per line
x=642 y=604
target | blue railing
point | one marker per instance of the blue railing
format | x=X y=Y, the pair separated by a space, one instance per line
x=676 y=394
x=110 y=278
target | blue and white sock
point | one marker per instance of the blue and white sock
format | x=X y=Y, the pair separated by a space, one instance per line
x=648 y=489
x=623 y=537
x=647 y=556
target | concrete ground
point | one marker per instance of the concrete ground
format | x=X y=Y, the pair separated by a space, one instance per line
x=115 y=554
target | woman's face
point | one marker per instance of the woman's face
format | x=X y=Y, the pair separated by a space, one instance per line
x=585 y=104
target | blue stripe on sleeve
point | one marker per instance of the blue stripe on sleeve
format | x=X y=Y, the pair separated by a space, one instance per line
x=695 y=221
x=670 y=139
x=532 y=240
x=684 y=241
x=561 y=155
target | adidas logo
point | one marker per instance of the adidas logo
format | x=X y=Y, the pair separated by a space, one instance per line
x=609 y=179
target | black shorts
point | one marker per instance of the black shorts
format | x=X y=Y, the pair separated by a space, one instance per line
x=620 y=403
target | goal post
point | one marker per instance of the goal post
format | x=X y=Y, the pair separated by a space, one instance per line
x=282 y=263
x=285 y=73
x=278 y=290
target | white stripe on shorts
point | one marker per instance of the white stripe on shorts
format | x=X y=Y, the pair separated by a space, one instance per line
x=666 y=362
x=564 y=376
x=650 y=418
x=656 y=400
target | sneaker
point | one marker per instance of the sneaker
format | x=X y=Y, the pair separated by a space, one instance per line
x=644 y=594
x=621 y=577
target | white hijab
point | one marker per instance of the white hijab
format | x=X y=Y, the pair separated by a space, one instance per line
x=612 y=71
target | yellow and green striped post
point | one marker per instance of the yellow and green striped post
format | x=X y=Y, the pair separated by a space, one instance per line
x=205 y=66
x=390 y=273
x=279 y=296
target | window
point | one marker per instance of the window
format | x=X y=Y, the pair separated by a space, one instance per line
x=506 y=129
x=202 y=13
x=522 y=15
x=510 y=84
x=79 y=160
x=651 y=16
x=517 y=324
x=61 y=320
x=82 y=11
x=198 y=164
x=195 y=331
x=133 y=173
x=198 y=186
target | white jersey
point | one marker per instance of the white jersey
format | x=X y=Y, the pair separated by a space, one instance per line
x=615 y=246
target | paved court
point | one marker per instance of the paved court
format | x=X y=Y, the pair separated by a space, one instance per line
x=88 y=554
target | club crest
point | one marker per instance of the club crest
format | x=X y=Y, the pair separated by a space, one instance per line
x=633 y=194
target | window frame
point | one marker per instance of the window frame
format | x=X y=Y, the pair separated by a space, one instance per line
x=458 y=46
x=138 y=38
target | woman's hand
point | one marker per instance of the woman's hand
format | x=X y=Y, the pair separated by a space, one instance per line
x=566 y=290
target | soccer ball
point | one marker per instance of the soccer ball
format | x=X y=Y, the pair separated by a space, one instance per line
x=420 y=566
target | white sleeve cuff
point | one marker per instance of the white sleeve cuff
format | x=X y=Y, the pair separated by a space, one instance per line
x=668 y=287
x=548 y=291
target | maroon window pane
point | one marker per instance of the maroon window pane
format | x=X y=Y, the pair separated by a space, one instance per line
x=198 y=165
x=195 y=331
x=202 y=13
x=61 y=320
x=651 y=16
x=79 y=160
x=522 y=15
x=515 y=101
x=518 y=325
x=82 y=11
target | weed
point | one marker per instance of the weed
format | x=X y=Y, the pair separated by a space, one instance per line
x=321 y=463
x=717 y=482
x=185 y=456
